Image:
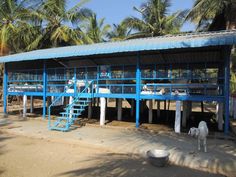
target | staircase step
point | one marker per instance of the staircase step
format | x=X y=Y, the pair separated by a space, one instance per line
x=79 y=105
x=65 y=113
x=59 y=128
x=65 y=118
x=76 y=109
x=83 y=101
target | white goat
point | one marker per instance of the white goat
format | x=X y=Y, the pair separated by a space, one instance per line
x=201 y=132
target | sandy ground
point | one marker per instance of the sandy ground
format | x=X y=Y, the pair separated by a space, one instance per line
x=28 y=157
x=24 y=156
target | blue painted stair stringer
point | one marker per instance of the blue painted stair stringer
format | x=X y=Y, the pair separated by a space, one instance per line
x=72 y=111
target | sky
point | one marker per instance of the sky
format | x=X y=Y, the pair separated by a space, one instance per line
x=114 y=11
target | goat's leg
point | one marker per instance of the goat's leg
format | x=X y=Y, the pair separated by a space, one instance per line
x=199 y=144
x=205 y=145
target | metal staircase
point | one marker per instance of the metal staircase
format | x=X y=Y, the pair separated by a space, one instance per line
x=72 y=111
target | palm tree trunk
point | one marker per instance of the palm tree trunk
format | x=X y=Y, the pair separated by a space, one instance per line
x=231 y=22
x=219 y=22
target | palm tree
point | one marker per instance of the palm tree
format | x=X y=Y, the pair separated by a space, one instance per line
x=57 y=24
x=13 y=19
x=95 y=30
x=213 y=14
x=155 y=19
x=119 y=32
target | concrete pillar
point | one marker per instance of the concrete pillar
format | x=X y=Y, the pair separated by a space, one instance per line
x=71 y=110
x=62 y=100
x=24 y=105
x=185 y=113
x=219 y=115
x=90 y=110
x=31 y=104
x=158 y=109
x=177 y=116
x=102 y=111
x=132 y=108
x=119 y=112
x=150 y=112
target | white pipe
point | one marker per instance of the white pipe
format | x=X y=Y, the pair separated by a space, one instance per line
x=72 y=109
x=150 y=112
x=177 y=116
x=119 y=114
x=219 y=115
x=62 y=100
x=24 y=105
x=102 y=111
x=31 y=104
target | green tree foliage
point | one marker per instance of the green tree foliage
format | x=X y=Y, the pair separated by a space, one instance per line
x=32 y=24
x=57 y=24
x=94 y=30
x=155 y=20
x=16 y=29
x=119 y=32
x=213 y=14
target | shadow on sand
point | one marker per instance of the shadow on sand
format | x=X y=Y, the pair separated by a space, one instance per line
x=108 y=165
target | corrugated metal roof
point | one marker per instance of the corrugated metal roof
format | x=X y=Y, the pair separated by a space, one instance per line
x=190 y=40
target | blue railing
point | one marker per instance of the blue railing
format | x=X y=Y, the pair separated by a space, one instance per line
x=88 y=89
x=55 y=101
x=122 y=79
x=183 y=89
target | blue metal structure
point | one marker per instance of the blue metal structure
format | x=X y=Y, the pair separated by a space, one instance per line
x=191 y=40
x=227 y=89
x=184 y=67
x=72 y=110
x=5 y=88
x=44 y=89
x=138 y=83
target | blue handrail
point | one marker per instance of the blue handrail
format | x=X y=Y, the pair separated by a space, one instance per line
x=53 y=103
x=78 y=96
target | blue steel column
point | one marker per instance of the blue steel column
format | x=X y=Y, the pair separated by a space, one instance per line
x=5 y=87
x=75 y=83
x=138 y=75
x=227 y=52
x=44 y=89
